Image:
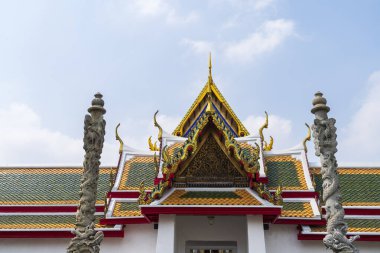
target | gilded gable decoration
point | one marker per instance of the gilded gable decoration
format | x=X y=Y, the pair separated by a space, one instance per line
x=249 y=162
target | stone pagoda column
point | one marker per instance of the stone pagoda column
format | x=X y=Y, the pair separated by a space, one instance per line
x=324 y=133
x=86 y=238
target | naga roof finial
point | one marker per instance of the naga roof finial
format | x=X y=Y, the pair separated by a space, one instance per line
x=265 y=125
x=158 y=126
x=152 y=147
x=119 y=139
x=307 y=138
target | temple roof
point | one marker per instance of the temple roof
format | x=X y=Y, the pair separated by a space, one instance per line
x=367 y=227
x=233 y=197
x=286 y=171
x=135 y=170
x=57 y=186
x=209 y=166
x=358 y=186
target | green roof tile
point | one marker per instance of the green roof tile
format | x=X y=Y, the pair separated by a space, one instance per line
x=355 y=188
x=46 y=186
x=282 y=173
x=294 y=206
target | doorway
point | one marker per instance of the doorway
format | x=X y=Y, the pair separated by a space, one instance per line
x=211 y=247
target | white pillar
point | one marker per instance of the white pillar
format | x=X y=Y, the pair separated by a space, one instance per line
x=255 y=233
x=166 y=234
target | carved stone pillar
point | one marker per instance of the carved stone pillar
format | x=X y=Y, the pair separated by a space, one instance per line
x=324 y=133
x=87 y=239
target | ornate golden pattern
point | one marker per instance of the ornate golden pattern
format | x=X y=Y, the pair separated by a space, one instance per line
x=250 y=163
x=211 y=162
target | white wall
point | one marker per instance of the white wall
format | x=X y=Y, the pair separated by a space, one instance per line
x=166 y=234
x=142 y=238
x=225 y=228
x=138 y=238
x=255 y=234
x=283 y=238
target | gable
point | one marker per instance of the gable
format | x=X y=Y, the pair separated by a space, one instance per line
x=211 y=163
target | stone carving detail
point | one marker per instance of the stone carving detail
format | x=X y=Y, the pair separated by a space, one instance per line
x=324 y=133
x=86 y=238
x=211 y=162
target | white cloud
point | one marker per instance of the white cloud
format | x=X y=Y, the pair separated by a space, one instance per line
x=23 y=140
x=279 y=128
x=268 y=37
x=360 y=139
x=245 y=5
x=161 y=8
x=199 y=46
x=135 y=132
x=262 y=4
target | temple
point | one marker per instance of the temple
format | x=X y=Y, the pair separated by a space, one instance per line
x=211 y=186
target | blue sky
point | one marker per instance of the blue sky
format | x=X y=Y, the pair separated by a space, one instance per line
x=268 y=55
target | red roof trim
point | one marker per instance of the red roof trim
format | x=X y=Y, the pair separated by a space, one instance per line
x=43 y=209
x=359 y=211
x=300 y=194
x=118 y=221
x=321 y=222
x=153 y=211
x=129 y=194
x=52 y=234
x=320 y=237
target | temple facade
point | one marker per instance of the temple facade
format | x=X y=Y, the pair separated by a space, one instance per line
x=210 y=186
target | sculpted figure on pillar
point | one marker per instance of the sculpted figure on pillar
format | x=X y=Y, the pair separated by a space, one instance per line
x=324 y=133
x=86 y=239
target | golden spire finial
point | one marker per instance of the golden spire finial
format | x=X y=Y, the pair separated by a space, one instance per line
x=209 y=65
x=210 y=81
x=307 y=138
x=209 y=108
x=119 y=139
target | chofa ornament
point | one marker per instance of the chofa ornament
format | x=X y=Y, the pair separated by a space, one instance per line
x=324 y=133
